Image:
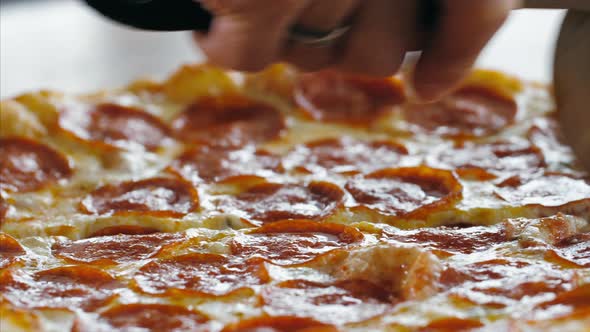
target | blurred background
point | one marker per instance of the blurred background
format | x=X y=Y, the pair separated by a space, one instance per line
x=63 y=45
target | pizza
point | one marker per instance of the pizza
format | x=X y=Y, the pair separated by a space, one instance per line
x=287 y=201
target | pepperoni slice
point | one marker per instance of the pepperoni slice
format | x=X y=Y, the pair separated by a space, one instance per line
x=124 y=230
x=270 y=202
x=201 y=274
x=471 y=111
x=340 y=303
x=483 y=270
x=576 y=298
x=150 y=317
x=546 y=135
x=346 y=155
x=555 y=230
x=450 y=240
x=110 y=250
x=212 y=164
x=28 y=166
x=279 y=324
x=228 y=121
x=68 y=287
x=575 y=249
x=158 y=196
x=10 y=249
x=505 y=282
x=3 y=210
x=292 y=242
x=406 y=192
x=548 y=191
x=331 y=96
x=450 y=324
x=112 y=125
x=499 y=158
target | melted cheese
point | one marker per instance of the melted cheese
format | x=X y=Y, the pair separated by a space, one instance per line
x=40 y=219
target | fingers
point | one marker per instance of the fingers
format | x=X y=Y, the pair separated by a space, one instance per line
x=319 y=16
x=248 y=35
x=325 y=15
x=463 y=30
x=382 y=33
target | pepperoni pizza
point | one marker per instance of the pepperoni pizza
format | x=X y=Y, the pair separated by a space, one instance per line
x=283 y=201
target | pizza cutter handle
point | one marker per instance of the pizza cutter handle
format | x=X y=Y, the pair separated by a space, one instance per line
x=159 y=15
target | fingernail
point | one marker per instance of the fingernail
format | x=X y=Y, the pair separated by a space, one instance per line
x=427 y=92
x=422 y=93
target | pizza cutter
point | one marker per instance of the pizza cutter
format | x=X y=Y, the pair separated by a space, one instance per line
x=160 y=15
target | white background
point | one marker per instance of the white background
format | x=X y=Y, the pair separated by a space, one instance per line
x=63 y=45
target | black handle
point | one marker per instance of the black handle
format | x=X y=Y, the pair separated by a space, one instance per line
x=161 y=15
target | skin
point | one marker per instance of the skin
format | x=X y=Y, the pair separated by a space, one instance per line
x=572 y=82
x=241 y=38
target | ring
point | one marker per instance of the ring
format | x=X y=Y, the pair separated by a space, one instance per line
x=317 y=38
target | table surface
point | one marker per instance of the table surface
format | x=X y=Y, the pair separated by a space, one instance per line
x=63 y=45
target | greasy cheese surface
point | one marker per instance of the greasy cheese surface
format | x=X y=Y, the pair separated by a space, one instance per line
x=288 y=202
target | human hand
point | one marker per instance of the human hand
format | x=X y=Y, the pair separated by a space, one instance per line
x=572 y=73
x=249 y=35
x=572 y=82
